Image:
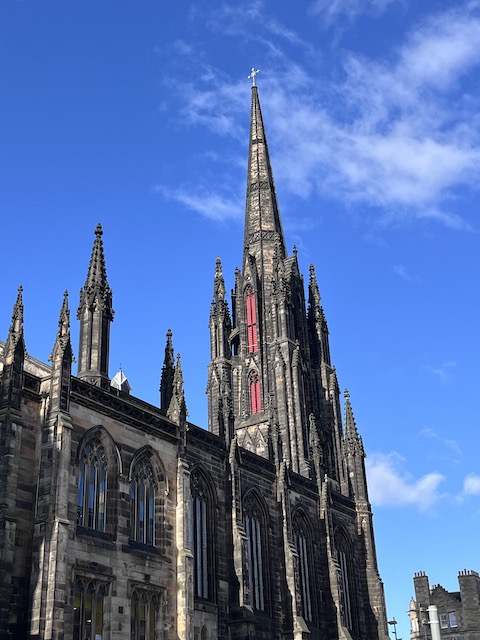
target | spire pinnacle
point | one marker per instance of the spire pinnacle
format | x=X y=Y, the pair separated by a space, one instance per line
x=63 y=333
x=263 y=227
x=177 y=409
x=314 y=291
x=95 y=313
x=354 y=441
x=168 y=370
x=219 y=282
x=96 y=284
x=15 y=333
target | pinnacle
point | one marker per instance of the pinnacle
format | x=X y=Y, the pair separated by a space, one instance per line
x=96 y=284
x=219 y=282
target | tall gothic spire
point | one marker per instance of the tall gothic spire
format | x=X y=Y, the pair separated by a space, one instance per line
x=263 y=226
x=95 y=313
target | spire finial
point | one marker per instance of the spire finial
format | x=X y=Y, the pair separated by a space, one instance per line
x=252 y=75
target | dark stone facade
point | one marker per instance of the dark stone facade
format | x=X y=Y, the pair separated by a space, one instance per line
x=119 y=519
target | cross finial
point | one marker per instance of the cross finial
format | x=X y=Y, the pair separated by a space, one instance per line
x=252 y=75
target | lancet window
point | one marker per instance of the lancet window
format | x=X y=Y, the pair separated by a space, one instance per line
x=345 y=576
x=255 y=394
x=92 y=487
x=88 y=609
x=251 y=314
x=142 y=495
x=143 y=615
x=255 y=528
x=303 y=545
x=202 y=528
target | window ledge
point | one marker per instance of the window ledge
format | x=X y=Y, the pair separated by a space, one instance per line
x=99 y=538
x=205 y=605
x=143 y=550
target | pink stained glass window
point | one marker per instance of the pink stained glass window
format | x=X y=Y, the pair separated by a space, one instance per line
x=255 y=396
x=251 y=310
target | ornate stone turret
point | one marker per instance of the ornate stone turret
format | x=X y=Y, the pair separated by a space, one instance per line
x=177 y=409
x=220 y=416
x=355 y=454
x=168 y=371
x=61 y=359
x=95 y=313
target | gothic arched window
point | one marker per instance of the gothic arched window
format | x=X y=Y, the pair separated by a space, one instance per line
x=255 y=528
x=345 y=577
x=142 y=494
x=88 y=607
x=255 y=395
x=92 y=487
x=303 y=545
x=251 y=314
x=143 y=615
x=203 y=526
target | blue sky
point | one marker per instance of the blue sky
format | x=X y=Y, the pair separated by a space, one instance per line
x=135 y=115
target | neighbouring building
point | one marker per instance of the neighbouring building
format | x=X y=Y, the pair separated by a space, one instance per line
x=122 y=520
x=458 y=611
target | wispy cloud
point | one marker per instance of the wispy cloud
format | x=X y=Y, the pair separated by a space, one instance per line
x=449 y=443
x=350 y=9
x=471 y=485
x=399 y=137
x=402 y=272
x=443 y=371
x=208 y=203
x=390 y=485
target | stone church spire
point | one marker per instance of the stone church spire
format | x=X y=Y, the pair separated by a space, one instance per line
x=95 y=313
x=263 y=226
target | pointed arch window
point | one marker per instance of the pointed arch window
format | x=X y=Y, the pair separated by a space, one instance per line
x=255 y=395
x=88 y=608
x=143 y=615
x=303 y=546
x=92 y=487
x=142 y=496
x=255 y=528
x=251 y=313
x=203 y=525
x=345 y=576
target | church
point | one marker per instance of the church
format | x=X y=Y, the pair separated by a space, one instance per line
x=120 y=520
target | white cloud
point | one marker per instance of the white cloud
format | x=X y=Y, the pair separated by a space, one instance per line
x=400 y=137
x=207 y=203
x=402 y=272
x=390 y=486
x=351 y=9
x=443 y=371
x=471 y=484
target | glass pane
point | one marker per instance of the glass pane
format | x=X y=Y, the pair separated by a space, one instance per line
x=151 y=515
x=77 y=611
x=88 y=611
x=102 y=494
x=99 y=614
x=81 y=492
x=152 y=621
x=91 y=497
x=141 y=512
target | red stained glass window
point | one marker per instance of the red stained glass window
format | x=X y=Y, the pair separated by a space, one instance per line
x=252 y=339
x=255 y=398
